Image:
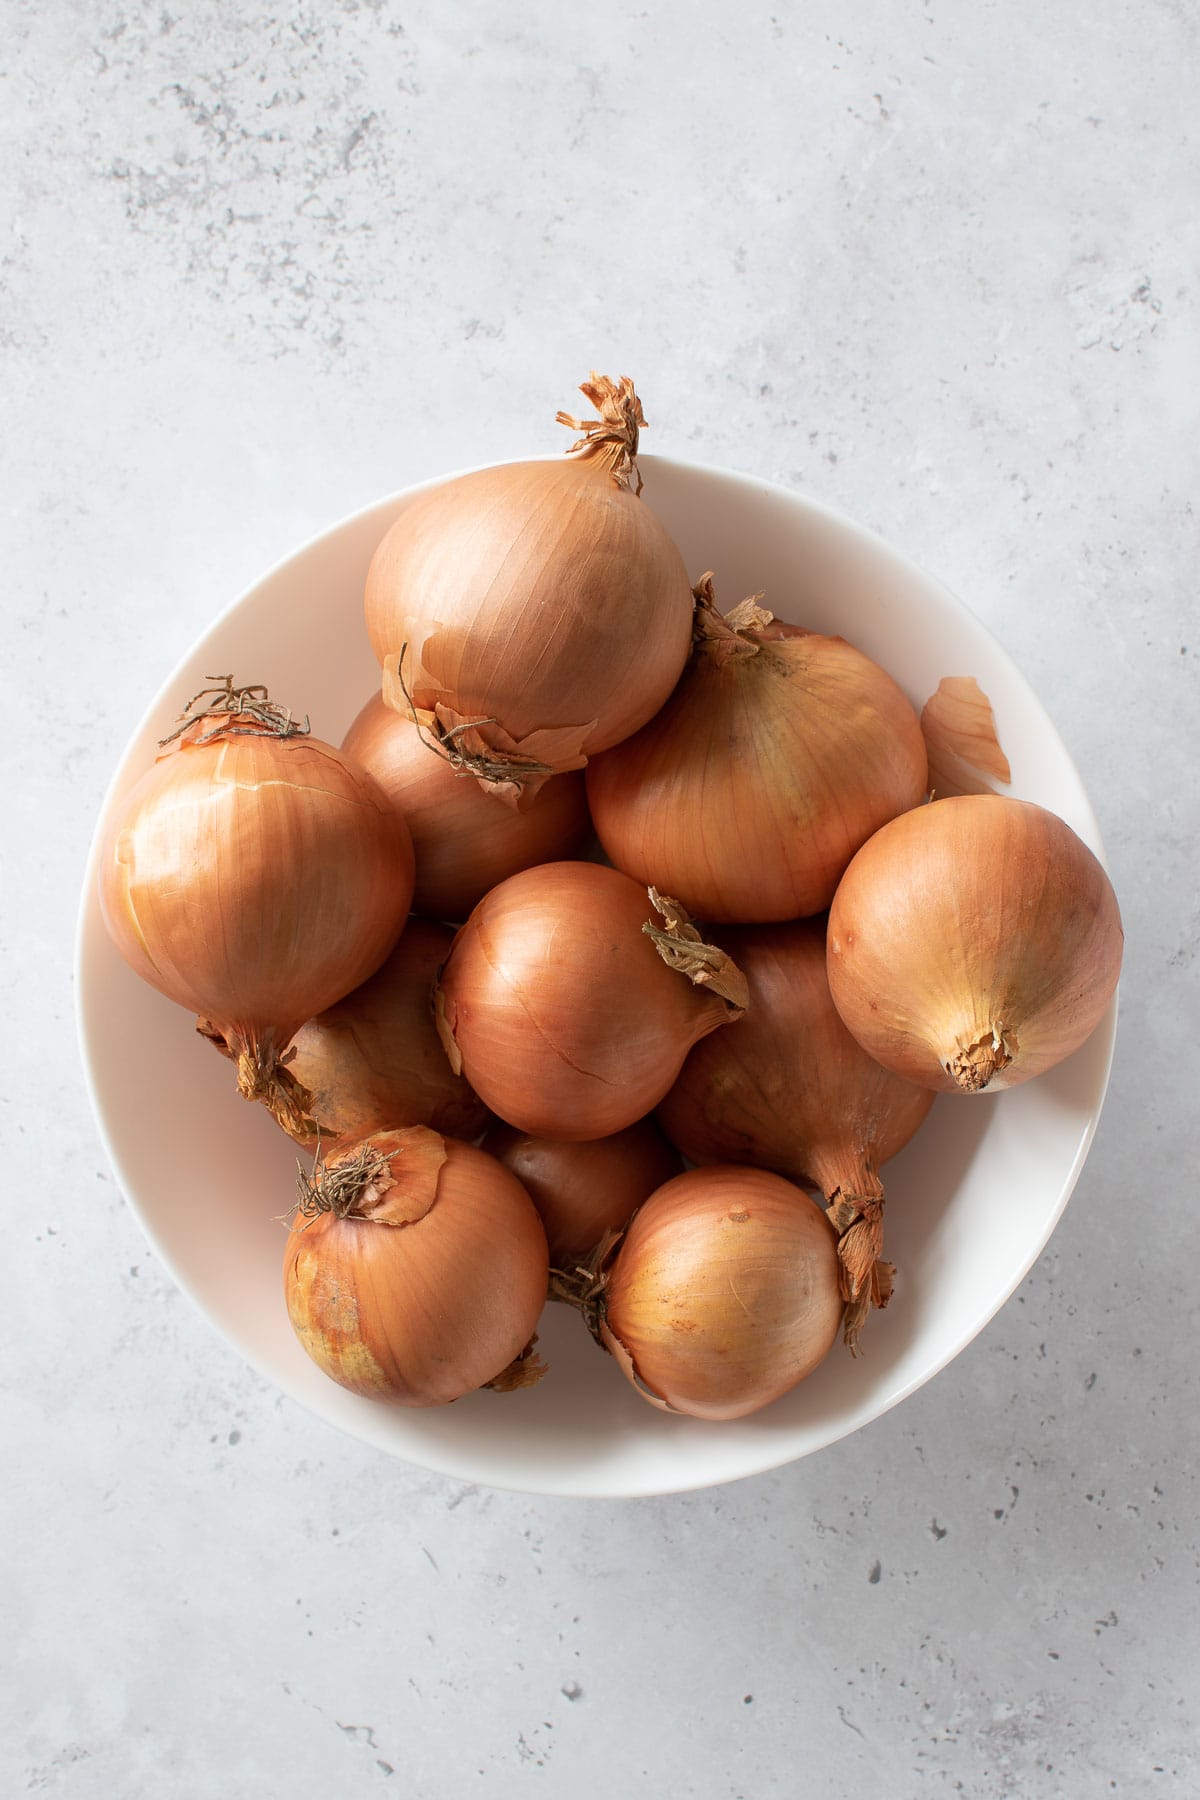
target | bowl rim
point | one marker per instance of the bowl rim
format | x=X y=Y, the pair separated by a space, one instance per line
x=447 y=1465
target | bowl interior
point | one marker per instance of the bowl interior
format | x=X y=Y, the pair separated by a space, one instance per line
x=971 y=1201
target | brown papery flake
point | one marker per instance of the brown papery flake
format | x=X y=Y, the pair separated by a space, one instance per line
x=512 y=770
x=613 y=437
x=960 y=738
x=391 y=1179
x=682 y=948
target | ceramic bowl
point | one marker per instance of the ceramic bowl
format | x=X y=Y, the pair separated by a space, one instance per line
x=971 y=1201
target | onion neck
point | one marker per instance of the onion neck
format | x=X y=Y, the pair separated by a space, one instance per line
x=263 y=1075
x=722 y=638
x=854 y=1207
x=706 y=966
x=612 y=439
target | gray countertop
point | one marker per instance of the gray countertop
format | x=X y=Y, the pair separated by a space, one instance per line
x=936 y=266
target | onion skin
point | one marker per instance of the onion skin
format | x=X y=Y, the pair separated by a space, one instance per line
x=537 y=595
x=420 y=1313
x=789 y=1089
x=724 y=1293
x=464 y=840
x=374 y=1060
x=255 y=879
x=777 y=755
x=568 y=1023
x=584 y=1190
x=974 y=943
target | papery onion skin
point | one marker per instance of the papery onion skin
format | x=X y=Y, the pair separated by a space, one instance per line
x=724 y=1293
x=464 y=840
x=974 y=943
x=374 y=1060
x=420 y=1314
x=788 y=1088
x=535 y=595
x=584 y=1190
x=568 y=1023
x=748 y=793
x=255 y=879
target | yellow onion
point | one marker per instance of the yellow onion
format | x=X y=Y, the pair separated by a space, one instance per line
x=415 y=1270
x=585 y=1191
x=254 y=875
x=568 y=1010
x=974 y=943
x=464 y=840
x=724 y=1293
x=777 y=755
x=789 y=1089
x=374 y=1060
x=533 y=613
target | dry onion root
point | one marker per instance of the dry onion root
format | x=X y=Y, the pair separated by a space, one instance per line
x=791 y=1090
x=724 y=1293
x=415 y=1270
x=531 y=614
x=585 y=1191
x=464 y=842
x=777 y=755
x=374 y=1060
x=568 y=1009
x=974 y=943
x=254 y=875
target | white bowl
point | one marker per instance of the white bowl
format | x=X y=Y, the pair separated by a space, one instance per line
x=971 y=1201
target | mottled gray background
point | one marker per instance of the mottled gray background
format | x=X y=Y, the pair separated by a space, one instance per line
x=935 y=264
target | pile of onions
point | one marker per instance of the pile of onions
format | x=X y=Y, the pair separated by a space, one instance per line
x=374 y=1060
x=724 y=1293
x=415 y=1270
x=974 y=943
x=536 y=612
x=777 y=755
x=534 y=621
x=791 y=1090
x=254 y=875
x=585 y=1192
x=463 y=840
x=568 y=1010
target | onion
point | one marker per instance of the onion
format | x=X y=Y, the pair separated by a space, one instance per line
x=778 y=754
x=415 y=1270
x=463 y=840
x=724 y=1293
x=974 y=943
x=570 y=1013
x=791 y=1090
x=374 y=1060
x=533 y=613
x=584 y=1191
x=254 y=875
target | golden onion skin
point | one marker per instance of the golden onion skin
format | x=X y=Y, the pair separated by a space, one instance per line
x=973 y=943
x=374 y=1060
x=567 y=1021
x=539 y=595
x=791 y=1089
x=585 y=1189
x=748 y=793
x=255 y=879
x=421 y=1313
x=464 y=839
x=724 y=1293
